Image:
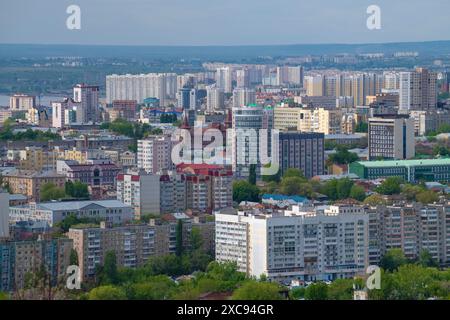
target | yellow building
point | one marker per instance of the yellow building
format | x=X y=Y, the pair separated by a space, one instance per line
x=308 y=120
x=37 y=159
x=29 y=182
x=285 y=118
x=320 y=120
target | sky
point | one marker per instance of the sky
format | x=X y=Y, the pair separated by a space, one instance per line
x=222 y=22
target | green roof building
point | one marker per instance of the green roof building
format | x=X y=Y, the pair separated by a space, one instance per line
x=410 y=170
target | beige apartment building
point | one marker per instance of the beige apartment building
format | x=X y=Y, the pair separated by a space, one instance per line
x=135 y=244
x=29 y=182
x=38 y=159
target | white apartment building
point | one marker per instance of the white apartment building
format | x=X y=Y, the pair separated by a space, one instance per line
x=154 y=154
x=21 y=102
x=243 y=97
x=309 y=246
x=139 y=87
x=141 y=191
x=215 y=99
x=224 y=78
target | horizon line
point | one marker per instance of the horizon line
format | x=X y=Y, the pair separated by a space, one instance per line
x=225 y=45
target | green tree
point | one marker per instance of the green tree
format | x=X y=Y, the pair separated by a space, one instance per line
x=357 y=193
x=362 y=127
x=412 y=282
x=343 y=156
x=427 y=197
x=154 y=288
x=49 y=191
x=375 y=200
x=4 y=296
x=426 y=259
x=343 y=188
x=293 y=172
x=341 y=289
x=77 y=189
x=391 y=185
x=108 y=292
x=297 y=293
x=179 y=238
x=253 y=290
x=245 y=191
x=196 y=239
x=393 y=259
x=109 y=271
x=295 y=186
x=73 y=257
x=317 y=291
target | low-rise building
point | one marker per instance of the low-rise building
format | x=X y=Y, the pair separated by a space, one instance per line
x=112 y=211
x=409 y=170
x=29 y=182
x=135 y=244
x=18 y=259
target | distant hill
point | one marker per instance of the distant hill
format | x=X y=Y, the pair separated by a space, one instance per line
x=432 y=48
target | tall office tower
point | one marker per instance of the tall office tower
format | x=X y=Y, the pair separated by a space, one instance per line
x=314 y=85
x=295 y=244
x=243 y=97
x=391 y=137
x=243 y=78
x=21 y=102
x=4 y=214
x=302 y=150
x=215 y=99
x=224 y=78
x=136 y=87
x=245 y=142
x=391 y=80
x=155 y=154
x=418 y=90
x=87 y=96
x=185 y=97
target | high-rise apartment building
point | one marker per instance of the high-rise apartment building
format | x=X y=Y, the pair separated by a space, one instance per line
x=418 y=90
x=21 y=102
x=243 y=97
x=139 y=87
x=215 y=99
x=391 y=137
x=243 y=78
x=154 y=154
x=224 y=79
x=301 y=244
x=87 y=97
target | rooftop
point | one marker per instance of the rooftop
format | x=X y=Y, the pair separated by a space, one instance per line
x=405 y=163
x=77 y=205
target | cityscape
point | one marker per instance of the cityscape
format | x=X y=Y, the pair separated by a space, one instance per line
x=224 y=172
